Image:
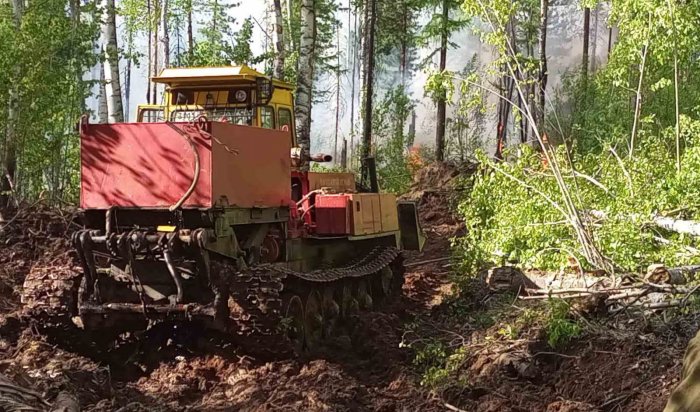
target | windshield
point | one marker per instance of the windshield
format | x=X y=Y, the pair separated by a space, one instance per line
x=239 y=115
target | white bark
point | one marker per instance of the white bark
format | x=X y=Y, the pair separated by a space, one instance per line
x=102 y=109
x=278 y=37
x=305 y=79
x=112 y=83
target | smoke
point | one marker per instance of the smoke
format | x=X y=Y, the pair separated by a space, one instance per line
x=564 y=50
x=565 y=40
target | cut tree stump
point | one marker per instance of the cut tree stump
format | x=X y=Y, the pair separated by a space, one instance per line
x=661 y=275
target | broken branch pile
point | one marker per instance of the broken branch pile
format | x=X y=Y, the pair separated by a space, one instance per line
x=661 y=287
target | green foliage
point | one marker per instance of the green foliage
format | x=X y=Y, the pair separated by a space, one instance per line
x=560 y=328
x=44 y=65
x=437 y=363
x=389 y=123
x=466 y=127
x=508 y=211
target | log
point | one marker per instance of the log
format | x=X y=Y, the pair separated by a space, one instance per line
x=660 y=274
x=688 y=227
x=507 y=278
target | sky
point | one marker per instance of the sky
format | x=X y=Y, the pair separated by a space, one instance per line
x=564 y=50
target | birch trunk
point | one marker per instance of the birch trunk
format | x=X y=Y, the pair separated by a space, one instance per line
x=113 y=88
x=355 y=49
x=127 y=79
x=278 y=69
x=586 y=41
x=102 y=107
x=305 y=79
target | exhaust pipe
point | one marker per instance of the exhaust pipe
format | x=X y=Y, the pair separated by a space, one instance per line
x=321 y=158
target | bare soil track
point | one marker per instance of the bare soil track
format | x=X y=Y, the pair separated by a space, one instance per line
x=164 y=371
x=630 y=367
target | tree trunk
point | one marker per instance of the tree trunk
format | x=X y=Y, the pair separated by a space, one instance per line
x=351 y=149
x=290 y=14
x=593 y=61
x=149 y=69
x=127 y=78
x=102 y=106
x=544 y=11
x=278 y=69
x=164 y=35
x=190 y=34
x=113 y=89
x=403 y=63
x=305 y=78
x=368 y=86
x=8 y=172
x=586 y=42
x=441 y=103
x=153 y=21
x=337 y=93
x=638 y=99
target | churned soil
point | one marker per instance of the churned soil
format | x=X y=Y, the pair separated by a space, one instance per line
x=633 y=366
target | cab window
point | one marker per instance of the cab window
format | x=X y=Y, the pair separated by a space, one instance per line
x=151 y=116
x=267 y=117
x=285 y=117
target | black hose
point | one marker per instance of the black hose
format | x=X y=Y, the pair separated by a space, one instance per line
x=167 y=254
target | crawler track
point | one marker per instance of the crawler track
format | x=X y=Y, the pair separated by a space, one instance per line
x=270 y=309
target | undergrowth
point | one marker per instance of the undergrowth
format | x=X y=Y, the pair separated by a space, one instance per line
x=445 y=349
x=510 y=211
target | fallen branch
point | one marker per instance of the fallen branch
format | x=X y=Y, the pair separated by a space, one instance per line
x=453 y=408
x=425 y=262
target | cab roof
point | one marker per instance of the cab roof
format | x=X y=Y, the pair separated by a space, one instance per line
x=182 y=76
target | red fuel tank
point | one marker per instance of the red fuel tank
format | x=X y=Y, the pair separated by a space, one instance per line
x=152 y=165
x=332 y=214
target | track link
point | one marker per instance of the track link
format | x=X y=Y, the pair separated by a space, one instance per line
x=270 y=303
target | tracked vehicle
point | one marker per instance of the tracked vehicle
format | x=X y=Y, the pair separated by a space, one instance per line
x=200 y=211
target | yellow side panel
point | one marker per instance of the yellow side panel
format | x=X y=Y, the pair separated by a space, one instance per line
x=365 y=216
x=389 y=212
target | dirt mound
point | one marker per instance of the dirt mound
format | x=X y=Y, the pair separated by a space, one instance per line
x=32 y=238
x=436 y=187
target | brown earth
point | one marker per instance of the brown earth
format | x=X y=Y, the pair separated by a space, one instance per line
x=631 y=364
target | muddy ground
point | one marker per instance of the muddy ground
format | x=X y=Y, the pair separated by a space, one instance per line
x=628 y=364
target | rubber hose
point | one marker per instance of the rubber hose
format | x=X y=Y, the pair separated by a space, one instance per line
x=195 y=177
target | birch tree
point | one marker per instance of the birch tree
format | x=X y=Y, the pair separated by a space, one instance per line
x=102 y=107
x=278 y=67
x=305 y=77
x=112 y=83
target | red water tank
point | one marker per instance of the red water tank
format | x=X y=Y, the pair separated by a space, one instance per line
x=332 y=214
